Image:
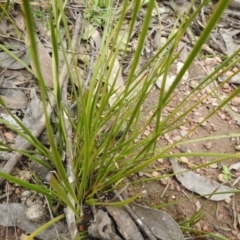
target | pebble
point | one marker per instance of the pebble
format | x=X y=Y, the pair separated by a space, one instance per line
x=218 y=59
x=207 y=145
x=203 y=123
x=214 y=166
x=183 y=133
x=211 y=62
x=155 y=174
x=221 y=178
x=229 y=74
x=160 y=160
x=228 y=200
x=235 y=69
x=193 y=83
x=223 y=116
x=146 y=132
x=234 y=109
x=225 y=85
x=236 y=101
x=237 y=147
x=176 y=138
x=35 y=213
x=184 y=159
x=26 y=193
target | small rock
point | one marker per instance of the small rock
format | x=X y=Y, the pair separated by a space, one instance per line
x=237 y=147
x=182 y=149
x=166 y=136
x=197 y=113
x=235 y=69
x=183 y=133
x=225 y=85
x=146 y=132
x=218 y=59
x=164 y=181
x=25 y=175
x=214 y=127
x=183 y=128
x=29 y=202
x=184 y=159
x=228 y=200
x=211 y=62
x=155 y=174
x=207 y=145
x=160 y=160
x=193 y=83
x=169 y=81
x=36 y=213
x=234 y=109
x=176 y=138
x=229 y=74
x=200 y=120
x=26 y=193
x=221 y=178
x=17 y=190
x=214 y=166
x=170 y=141
x=223 y=116
x=236 y=101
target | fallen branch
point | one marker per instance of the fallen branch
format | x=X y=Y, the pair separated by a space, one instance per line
x=135 y=217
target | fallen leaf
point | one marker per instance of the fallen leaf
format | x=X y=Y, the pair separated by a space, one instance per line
x=6 y=61
x=45 y=60
x=103 y=227
x=7 y=117
x=13 y=97
x=235 y=166
x=33 y=112
x=201 y=185
x=169 y=81
x=115 y=79
x=161 y=224
x=126 y=225
x=230 y=44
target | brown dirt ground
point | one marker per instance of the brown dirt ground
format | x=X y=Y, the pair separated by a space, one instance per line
x=218 y=216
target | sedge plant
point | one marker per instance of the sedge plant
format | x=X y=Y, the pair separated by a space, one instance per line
x=104 y=147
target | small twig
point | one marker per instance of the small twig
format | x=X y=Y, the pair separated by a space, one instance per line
x=51 y=215
x=235 y=182
x=70 y=216
x=234 y=214
x=10 y=213
x=135 y=217
x=217 y=211
x=185 y=193
x=120 y=192
x=166 y=188
x=6 y=195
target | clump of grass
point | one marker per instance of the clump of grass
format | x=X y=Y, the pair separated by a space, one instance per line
x=102 y=149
